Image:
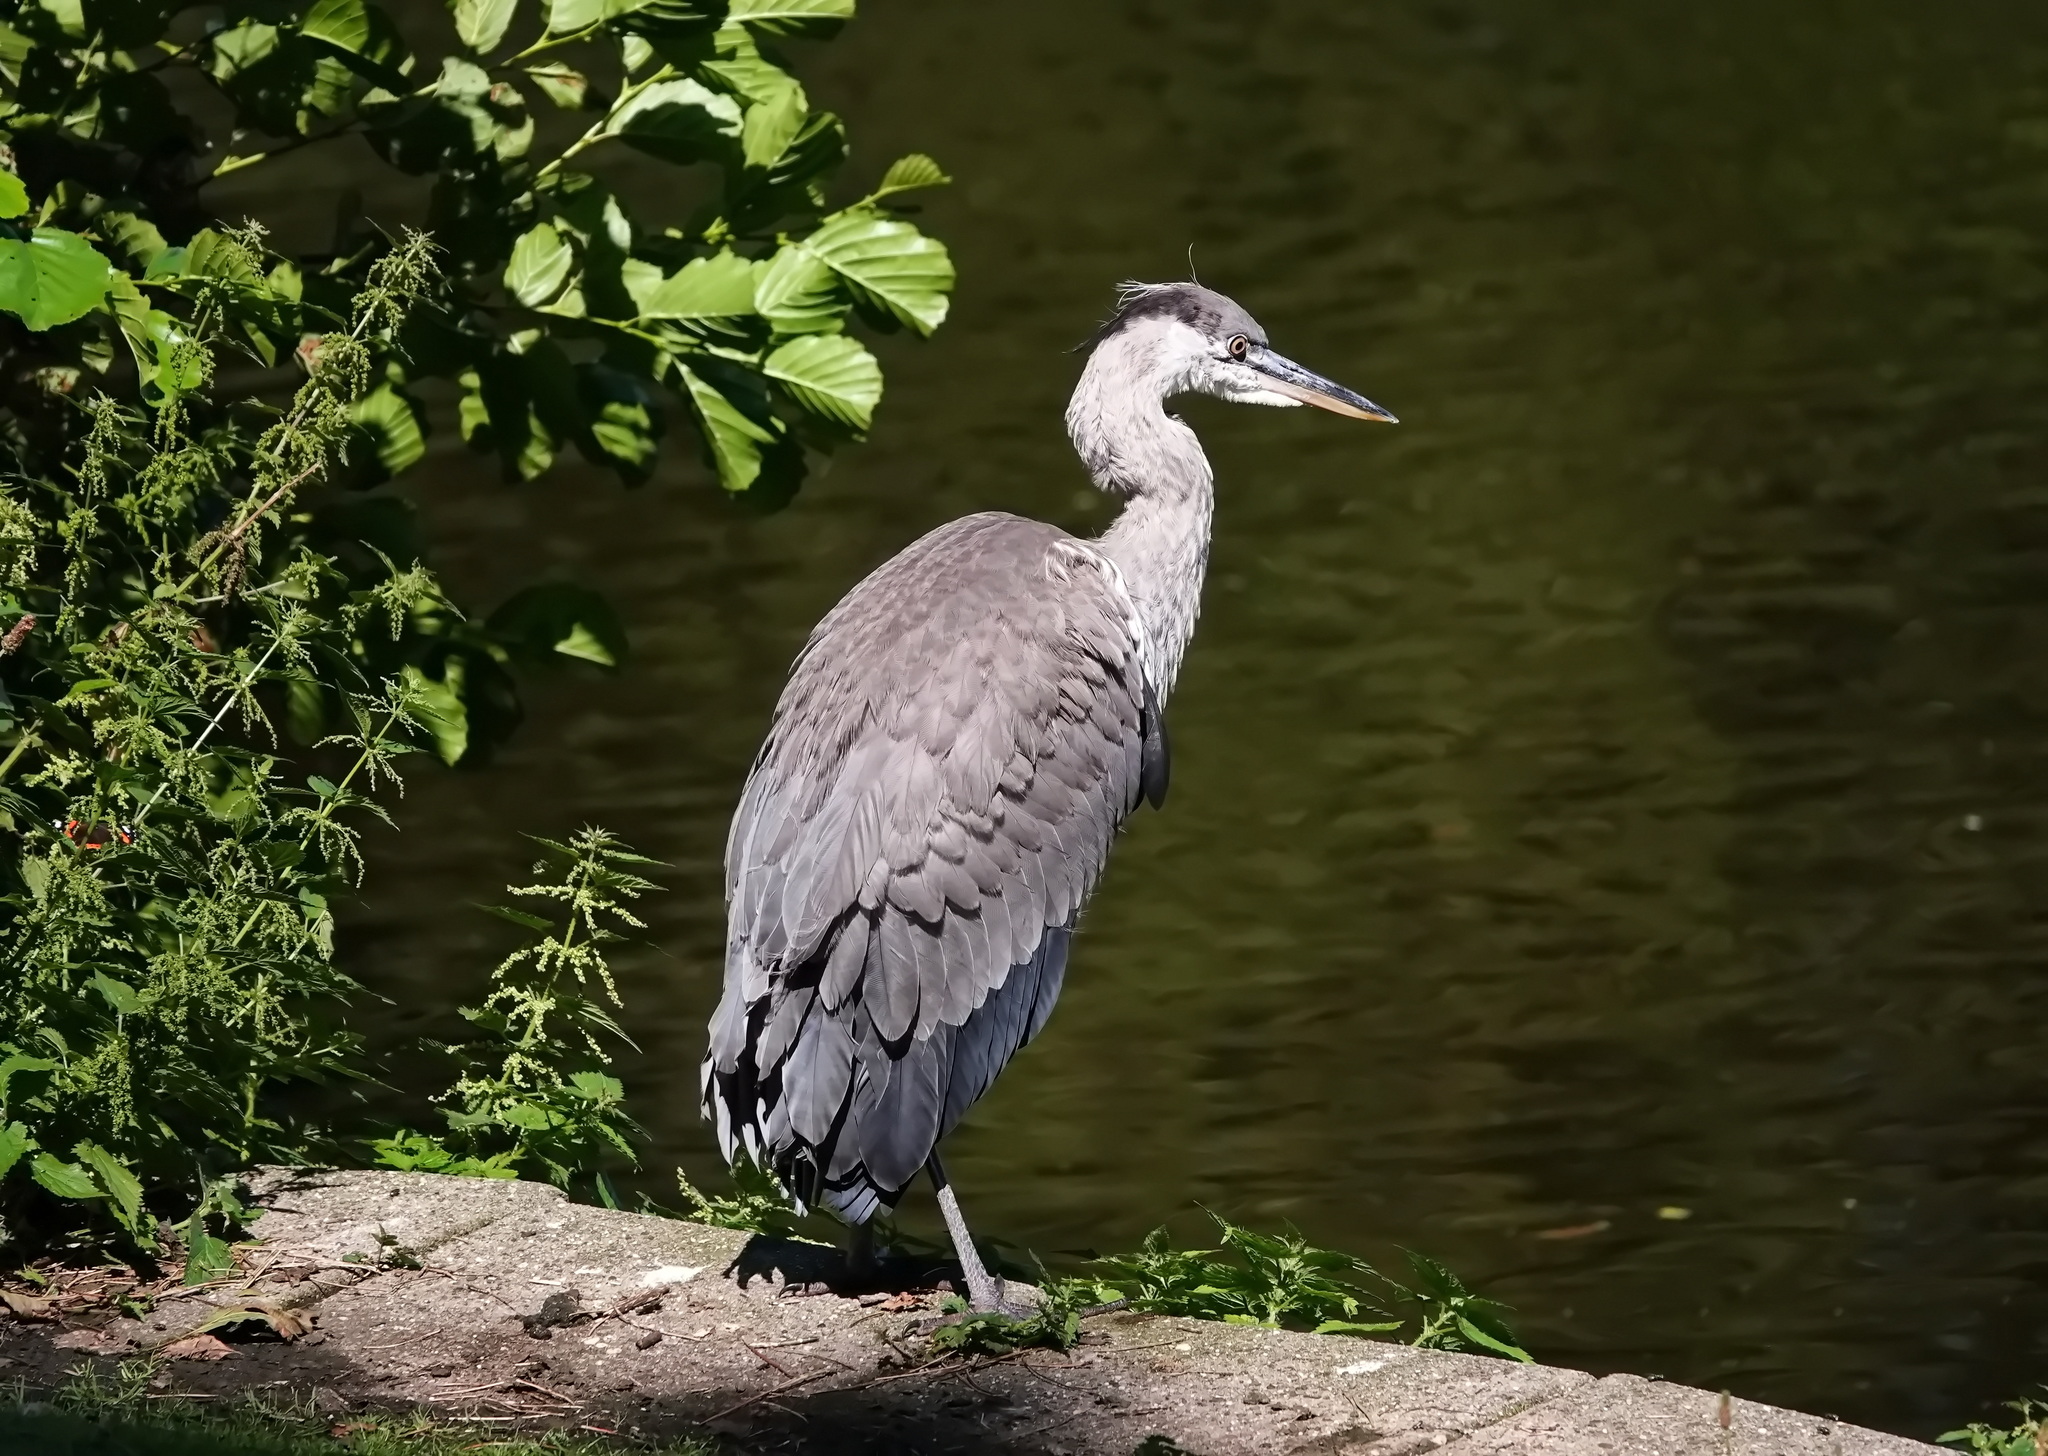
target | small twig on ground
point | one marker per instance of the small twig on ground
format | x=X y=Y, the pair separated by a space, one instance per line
x=765 y=1360
x=786 y=1386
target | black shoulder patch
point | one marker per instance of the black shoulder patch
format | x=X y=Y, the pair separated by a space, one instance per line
x=1155 y=763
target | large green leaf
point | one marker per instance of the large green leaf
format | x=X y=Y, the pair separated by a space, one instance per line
x=441 y=710
x=745 y=443
x=798 y=294
x=66 y=1180
x=481 y=24
x=344 y=24
x=567 y=87
x=678 y=120
x=793 y=17
x=889 y=263
x=771 y=125
x=51 y=278
x=908 y=174
x=830 y=375
x=622 y=414
x=539 y=267
x=15 y=1140
x=653 y=16
x=122 y=1186
x=466 y=118
x=561 y=619
x=392 y=423
x=13 y=196
x=720 y=286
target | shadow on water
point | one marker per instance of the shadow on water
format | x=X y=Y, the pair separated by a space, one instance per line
x=1607 y=838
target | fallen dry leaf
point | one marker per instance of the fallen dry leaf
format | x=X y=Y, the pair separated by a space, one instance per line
x=26 y=1306
x=197 y=1347
x=902 y=1301
x=287 y=1324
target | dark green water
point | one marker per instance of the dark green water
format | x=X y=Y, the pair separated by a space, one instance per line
x=1622 y=785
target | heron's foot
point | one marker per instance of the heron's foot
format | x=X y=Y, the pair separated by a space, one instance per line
x=990 y=1295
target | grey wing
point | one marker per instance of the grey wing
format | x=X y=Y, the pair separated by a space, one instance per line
x=957 y=746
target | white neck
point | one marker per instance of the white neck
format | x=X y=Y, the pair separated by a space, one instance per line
x=1160 y=542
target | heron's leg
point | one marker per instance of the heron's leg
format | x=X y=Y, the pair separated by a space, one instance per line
x=984 y=1290
x=860 y=1251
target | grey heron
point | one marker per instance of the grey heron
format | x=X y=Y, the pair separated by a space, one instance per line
x=958 y=743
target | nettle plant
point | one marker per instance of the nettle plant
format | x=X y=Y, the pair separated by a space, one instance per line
x=215 y=630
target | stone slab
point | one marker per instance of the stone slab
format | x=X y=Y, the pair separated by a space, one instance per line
x=501 y=1302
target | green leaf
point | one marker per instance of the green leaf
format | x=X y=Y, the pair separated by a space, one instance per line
x=720 y=286
x=392 y=421
x=1478 y=1336
x=117 y=994
x=519 y=917
x=624 y=419
x=908 y=174
x=15 y=1140
x=798 y=294
x=528 y=1116
x=66 y=1180
x=52 y=278
x=325 y=788
x=344 y=24
x=817 y=18
x=123 y=1187
x=441 y=709
x=741 y=438
x=1353 y=1327
x=13 y=196
x=830 y=375
x=206 y=1257
x=539 y=267
x=21 y=1062
x=678 y=120
x=771 y=125
x=481 y=24
x=567 y=88
x=889 y=263
x=557 y=617
x=597 y=1086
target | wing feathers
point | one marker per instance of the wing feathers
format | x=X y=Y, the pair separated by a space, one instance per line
x=957 y=746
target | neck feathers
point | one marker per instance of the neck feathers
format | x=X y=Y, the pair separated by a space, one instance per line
x=1133 y=448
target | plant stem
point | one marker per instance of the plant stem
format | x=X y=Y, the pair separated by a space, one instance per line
x=28 y=741
x=207 y=732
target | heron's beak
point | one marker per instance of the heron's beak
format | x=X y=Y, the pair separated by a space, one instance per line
x=1284 y=376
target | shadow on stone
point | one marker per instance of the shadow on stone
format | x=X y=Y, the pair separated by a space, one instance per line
x=821 y=1269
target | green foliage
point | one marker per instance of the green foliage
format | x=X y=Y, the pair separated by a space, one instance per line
x=1452 y=1317
x=1280 y=1280
x=532 y=1089
x=758 y=1205
x=2028 y=1438
x=583 y=321
x=1266 y=1279
x=96 y=1414
x=165 y=922
x=189 y=580
x=1054 y=1325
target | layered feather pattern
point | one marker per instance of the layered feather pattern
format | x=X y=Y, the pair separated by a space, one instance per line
x=957 y=745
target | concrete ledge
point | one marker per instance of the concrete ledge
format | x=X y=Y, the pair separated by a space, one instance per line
x=505 y=1303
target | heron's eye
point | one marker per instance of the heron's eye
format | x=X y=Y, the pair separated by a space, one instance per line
x=1239 y=346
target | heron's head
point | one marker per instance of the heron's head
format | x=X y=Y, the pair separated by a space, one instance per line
x=1182 y=338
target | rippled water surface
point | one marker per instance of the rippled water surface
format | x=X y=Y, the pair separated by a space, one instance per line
x=1622 y=786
